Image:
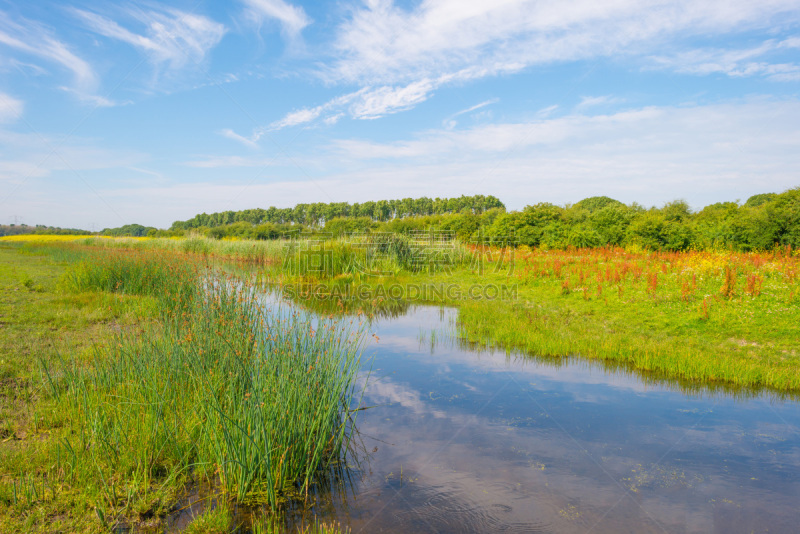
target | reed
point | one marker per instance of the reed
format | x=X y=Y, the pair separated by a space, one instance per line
x=223 y=387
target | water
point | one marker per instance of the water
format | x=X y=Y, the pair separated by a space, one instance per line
x=461 y=440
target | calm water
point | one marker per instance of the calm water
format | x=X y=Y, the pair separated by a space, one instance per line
x=465 y=441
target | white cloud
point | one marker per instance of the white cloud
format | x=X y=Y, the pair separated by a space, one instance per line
x=170 y=36
x=401 y=56
x=300 y=116
x=330 y=109
x=450 y=121
x=405 y=54
x=476 y=107
x=36 y=40
x=252 y=142
x=366 y=103
x=735 y=63
x=10 y=108
x=333 y=119
x=385 y=43
x=230 y=161
x=292 y=18
x=386 y=100
x=648 y=155
x=594 y=101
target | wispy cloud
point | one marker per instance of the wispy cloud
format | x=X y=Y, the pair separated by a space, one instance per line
x=230 y=161
x=301 y=116
x=737 y=63
x=10 y=108
x=95 y=100
x=292 y=18
x=386 y=100
x=595 y=101
x=384 y=42
x=400 y=56
x=475 y=107
x=708 y=152
x=450 y=121
x=403 y=55
x=170 y=37
x=251 y=142
x=365 y=104
x=34 y=39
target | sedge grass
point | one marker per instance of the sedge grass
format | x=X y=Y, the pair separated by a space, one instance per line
x=698 y=315
x=223 y=387
x=738 y=308
x=716 y=317
x=257 y=401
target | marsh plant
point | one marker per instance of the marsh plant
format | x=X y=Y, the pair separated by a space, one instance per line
x=375 y=254
x=260 y=401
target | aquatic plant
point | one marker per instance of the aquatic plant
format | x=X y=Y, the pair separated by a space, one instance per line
x=223 y=387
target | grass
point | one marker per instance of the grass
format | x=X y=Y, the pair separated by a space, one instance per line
x=126 y=370
x=39 y=325
x=214 y=520
x=201 y=381
x=273 y=525
x=701 y=317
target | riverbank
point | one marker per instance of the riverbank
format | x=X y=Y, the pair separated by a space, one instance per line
x=128 y=378
x=704 y=316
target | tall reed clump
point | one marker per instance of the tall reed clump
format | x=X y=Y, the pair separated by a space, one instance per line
x=136 y=273
x=379 y=254
x=260 y=401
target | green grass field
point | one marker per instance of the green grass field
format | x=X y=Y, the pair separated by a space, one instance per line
x=130 y=375
x=127 y=374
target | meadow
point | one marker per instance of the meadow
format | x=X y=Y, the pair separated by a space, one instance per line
x=165 y=375
x=711 y=316
x=131 y=376
x=700 y=316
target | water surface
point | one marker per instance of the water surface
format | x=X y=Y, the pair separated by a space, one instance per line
x=463 y=440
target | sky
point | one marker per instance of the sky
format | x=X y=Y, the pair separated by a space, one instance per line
x=114 y=113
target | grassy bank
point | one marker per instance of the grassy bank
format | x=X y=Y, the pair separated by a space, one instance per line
x=40 y=326
x=726 y=317
x=714 y=317
x=187 y=378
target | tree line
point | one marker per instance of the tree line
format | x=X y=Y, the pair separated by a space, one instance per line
x=39 y=229
x=760 y=223
x=319 y=213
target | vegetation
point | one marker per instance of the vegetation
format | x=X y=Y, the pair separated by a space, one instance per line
x=213 y=387
x=129 y=230
x=723 y=317
x=169 y=373
x=313 y=215
x=40 y=229
x=762 y=222
x=701 y=316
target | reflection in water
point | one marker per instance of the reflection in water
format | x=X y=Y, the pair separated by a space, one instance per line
x=466 y=441
x=447 y=331
x=380 y=308
x=465 y=438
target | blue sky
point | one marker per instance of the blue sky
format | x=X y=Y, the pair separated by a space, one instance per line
x=149 y=112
